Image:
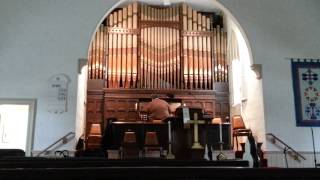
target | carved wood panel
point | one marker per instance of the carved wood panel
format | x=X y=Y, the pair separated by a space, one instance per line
x=94 y=109
x=122 y=104
x=120 y=108
x=222 y=109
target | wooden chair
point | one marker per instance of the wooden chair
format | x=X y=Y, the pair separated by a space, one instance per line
x=94 y=137
x=151 y=143
x=239 y=128
x=129 y=147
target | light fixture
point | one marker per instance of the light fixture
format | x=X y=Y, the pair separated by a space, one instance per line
x=257 y=68
x=166 y=2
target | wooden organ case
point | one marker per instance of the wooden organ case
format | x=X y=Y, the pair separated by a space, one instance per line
x=140 y=50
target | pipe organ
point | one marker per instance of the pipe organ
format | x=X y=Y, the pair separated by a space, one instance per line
x=140 y=50
x=159 y=48
x=144 y=47
x=97 y=54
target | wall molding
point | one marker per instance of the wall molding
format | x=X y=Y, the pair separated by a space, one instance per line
x=257 y=69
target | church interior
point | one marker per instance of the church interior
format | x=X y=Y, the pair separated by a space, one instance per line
x=159 y=89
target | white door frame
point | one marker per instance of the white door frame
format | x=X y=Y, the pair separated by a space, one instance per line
x=31 y=119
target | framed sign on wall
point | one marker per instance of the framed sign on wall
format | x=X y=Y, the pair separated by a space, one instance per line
x=306 y=88
x=58 y=93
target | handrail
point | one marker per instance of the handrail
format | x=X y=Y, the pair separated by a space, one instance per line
x=287 y=147
x=63 y=139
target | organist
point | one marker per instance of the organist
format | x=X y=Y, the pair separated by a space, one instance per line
x=158 y=109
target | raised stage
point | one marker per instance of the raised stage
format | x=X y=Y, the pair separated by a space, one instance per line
x=100 y=168
x=32 y=162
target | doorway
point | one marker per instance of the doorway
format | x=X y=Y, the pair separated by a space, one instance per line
x=17 y=124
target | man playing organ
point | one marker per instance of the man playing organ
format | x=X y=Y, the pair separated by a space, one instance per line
x=158 y=109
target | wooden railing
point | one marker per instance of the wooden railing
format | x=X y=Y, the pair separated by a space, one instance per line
x=285 y=147
x=64 y=140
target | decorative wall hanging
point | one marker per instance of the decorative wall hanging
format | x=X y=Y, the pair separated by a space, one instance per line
x=306 y=87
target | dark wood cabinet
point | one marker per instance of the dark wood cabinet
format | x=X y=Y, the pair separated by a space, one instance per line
x=125 y=104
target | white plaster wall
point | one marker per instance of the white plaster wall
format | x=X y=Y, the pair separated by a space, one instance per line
x=40 y=38
x=81 y=103
x=251 y=107
x=277 y=159
x=277 y=29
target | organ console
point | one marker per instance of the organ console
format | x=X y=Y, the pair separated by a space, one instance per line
x=140 y=50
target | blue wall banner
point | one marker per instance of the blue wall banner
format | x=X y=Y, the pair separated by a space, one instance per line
x=306 y=88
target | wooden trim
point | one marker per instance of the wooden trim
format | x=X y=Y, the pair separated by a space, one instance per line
x=159 y=23
x=197 y=33
x=126 y=31
x=162 y=91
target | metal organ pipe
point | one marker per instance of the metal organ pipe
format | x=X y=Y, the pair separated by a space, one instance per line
x=160 y=48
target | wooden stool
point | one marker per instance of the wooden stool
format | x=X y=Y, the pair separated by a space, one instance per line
x=151 y=139
x=129 y=148
x=94 y=137
x=129 y=137
x=151 y=143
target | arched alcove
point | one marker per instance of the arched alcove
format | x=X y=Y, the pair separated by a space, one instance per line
x=250 y=104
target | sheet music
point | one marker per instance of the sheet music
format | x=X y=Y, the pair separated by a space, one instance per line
x=186 y=115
